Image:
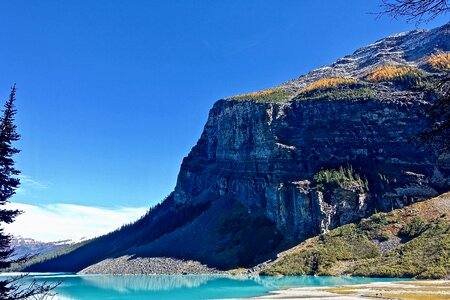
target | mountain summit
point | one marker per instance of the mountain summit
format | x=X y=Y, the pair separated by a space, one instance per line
x=275 y=167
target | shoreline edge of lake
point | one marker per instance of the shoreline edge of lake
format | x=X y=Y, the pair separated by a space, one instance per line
x=405 y=290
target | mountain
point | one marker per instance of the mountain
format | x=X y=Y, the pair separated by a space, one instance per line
x=275 y=167
x=30 y=247
x=410 y=242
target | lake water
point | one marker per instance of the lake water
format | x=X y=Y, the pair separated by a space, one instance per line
x=165 y=287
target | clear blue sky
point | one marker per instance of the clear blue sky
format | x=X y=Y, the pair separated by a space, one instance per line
x=113 y=94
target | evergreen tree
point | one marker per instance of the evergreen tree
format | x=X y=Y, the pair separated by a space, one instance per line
x=8 y=180
x=11 y=288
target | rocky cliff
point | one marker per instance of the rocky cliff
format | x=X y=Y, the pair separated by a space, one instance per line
x=275 y=167
x=264 y=148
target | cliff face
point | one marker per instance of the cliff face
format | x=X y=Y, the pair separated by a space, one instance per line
x=265 y=153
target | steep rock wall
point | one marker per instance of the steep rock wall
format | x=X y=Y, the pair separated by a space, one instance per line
x=264 y=154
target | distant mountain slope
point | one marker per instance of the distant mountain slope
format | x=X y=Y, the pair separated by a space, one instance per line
x=409 y=242
x=30 y=247
x=275 y=167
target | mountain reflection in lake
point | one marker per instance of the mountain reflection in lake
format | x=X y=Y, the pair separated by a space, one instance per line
x=134 y=283
x=167 y=287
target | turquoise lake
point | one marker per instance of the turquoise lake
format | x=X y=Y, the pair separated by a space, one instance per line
x=164 y=287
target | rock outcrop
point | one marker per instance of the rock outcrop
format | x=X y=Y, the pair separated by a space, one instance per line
x=264 y=154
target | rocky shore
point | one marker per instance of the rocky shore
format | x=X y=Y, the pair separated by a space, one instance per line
x=128 y=265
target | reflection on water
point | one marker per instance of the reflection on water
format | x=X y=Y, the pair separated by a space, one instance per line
x=165 y=287
x=147 y=283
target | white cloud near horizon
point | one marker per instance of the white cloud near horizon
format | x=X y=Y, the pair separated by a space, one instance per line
x=53 y=222
x=29 y=186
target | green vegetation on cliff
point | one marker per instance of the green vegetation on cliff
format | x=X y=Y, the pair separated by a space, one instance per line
x=439 y=62
x=331 y=82
x=377 y=84
x=275 y=95
x=333 y=94
x=409 y=242
x=342 y=177
x=396 y=74
x=336 y=89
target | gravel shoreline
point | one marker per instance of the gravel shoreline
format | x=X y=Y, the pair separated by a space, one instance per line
x=430 y=289
x=127 y=265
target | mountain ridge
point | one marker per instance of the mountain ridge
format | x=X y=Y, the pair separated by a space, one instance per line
x=381 y=52
x=25 y=247
x=276 y=167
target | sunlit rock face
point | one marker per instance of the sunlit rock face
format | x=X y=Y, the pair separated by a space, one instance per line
x=265 y=154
